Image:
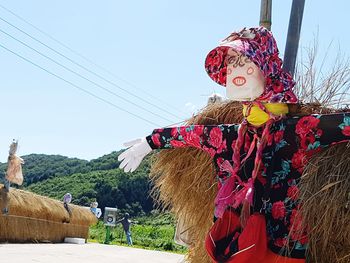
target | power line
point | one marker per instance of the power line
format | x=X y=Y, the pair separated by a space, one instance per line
x=72 y=71
x=76 y=86
x=88 y=60
x=81 y=66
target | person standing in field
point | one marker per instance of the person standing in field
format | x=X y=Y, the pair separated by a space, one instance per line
x=126 y=222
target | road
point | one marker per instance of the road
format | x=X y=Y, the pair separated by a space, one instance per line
x=84 y=253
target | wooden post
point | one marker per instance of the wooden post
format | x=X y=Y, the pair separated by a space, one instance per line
x=265 y=13
x=292 y=44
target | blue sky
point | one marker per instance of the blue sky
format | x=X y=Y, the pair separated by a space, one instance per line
x=158 y=46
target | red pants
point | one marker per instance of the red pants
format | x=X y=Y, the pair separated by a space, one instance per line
x=227 y=242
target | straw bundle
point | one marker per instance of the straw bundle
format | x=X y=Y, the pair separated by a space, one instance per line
x=325 y=191
x=184 y=180
x=33 y=217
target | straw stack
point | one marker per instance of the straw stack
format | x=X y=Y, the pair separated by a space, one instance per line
x=325 y=191
x=184 y=179
x=37 y=218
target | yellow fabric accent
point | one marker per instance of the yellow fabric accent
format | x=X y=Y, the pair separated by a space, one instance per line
x=258 y=117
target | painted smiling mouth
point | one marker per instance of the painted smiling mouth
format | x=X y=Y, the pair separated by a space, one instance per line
x=239 y=81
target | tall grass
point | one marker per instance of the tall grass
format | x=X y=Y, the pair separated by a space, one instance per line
x=323 y=79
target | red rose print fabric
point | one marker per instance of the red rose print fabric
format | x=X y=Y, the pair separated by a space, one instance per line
x=290 y=143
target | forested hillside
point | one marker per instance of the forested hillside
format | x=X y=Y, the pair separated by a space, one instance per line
x=98 y=179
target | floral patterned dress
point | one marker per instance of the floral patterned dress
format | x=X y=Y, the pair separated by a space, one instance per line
x=291 y=141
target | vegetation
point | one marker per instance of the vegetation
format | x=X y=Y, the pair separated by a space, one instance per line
x=101 y=180
x=39 y=167
x=155 y=231
x=112 y=188
x=96 y=180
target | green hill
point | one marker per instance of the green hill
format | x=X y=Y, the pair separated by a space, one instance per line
x=98 y=179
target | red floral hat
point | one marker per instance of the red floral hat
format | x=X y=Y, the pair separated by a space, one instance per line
x=259 y=45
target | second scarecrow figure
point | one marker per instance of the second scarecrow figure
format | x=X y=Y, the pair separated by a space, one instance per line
x=259 y=161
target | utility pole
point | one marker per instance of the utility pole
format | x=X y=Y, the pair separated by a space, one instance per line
x=292 y=44
x=265 y=13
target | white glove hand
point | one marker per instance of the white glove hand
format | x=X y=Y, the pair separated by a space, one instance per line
x=132 y=157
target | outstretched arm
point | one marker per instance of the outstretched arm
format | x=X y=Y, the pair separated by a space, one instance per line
x=210 y=138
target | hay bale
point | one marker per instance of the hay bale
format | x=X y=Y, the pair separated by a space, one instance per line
x=33 y=217
x=19 y=229
x=325 y=192
x=184 y=179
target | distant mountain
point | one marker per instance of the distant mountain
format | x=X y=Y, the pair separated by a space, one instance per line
x=39 y=167
x=99 y=179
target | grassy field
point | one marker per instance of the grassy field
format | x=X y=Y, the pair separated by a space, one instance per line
x=150 y=232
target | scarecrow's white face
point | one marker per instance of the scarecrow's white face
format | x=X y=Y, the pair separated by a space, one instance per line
x=244 y=80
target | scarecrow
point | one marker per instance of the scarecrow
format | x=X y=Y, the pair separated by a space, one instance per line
x=14 y=168
x=95 y=210
x=67 y=199
x=259 y=161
